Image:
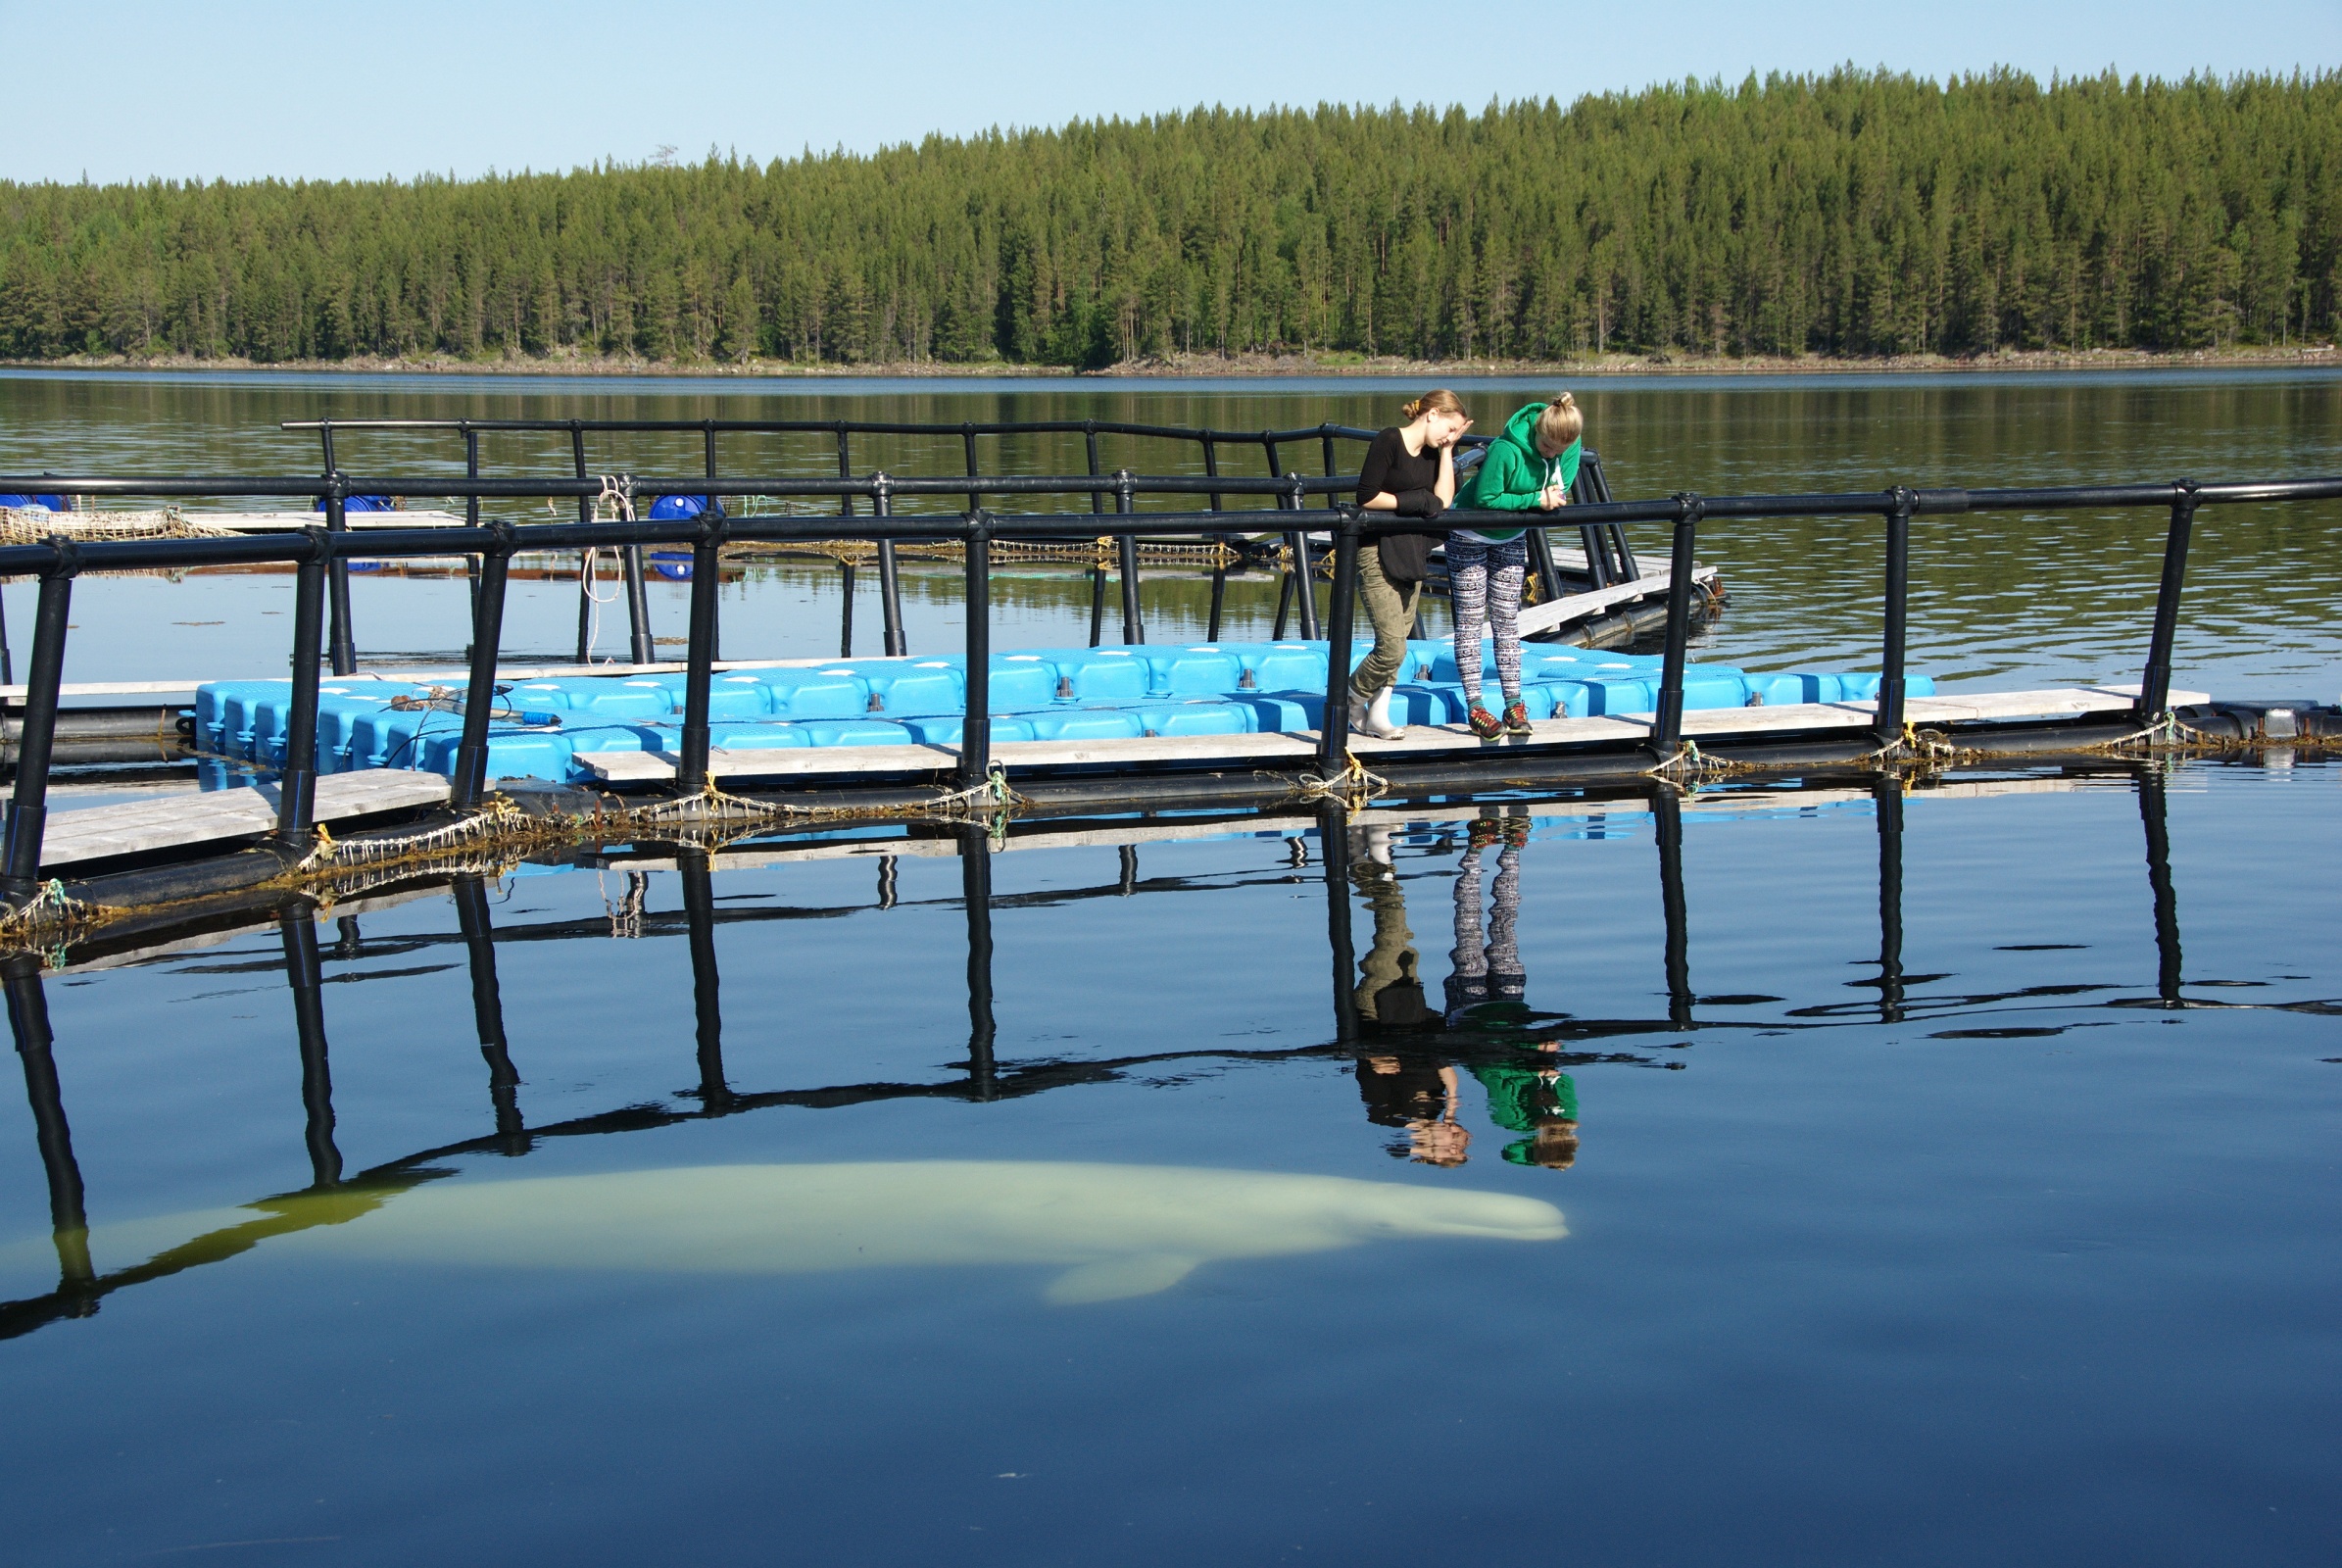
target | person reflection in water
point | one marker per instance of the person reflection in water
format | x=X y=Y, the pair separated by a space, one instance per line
x=1403 y=1089
x=1412 y=1089
x=1487 y=1001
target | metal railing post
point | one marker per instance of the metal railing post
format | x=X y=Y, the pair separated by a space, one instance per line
x=1219 y=570
x=1667 y=812
x=1334 y=840
x=585 y=557
x=1902 y=502
x=2153 y=818
x=302 y=972
x=1548 y=575
x=1296 y=541
x=470 y=780
x=1333 y=735
x=698 y=655
x=706 y=981
x=297 y=782
x=967 y=439
x=1667 y=728
x=1598 y=555
x=846 y=610
x=890 y=580
x=1097 y=569
x=69 y=1216
x=975 y=896
x=2155 y=688
x=1888 y=792
x=29 y=808
x=470 y=894
x=714 y=500
x=471 y=511
x=639 y=645
x=343 y=642
x=975 y=730
x=1097 y=500
x=1126 y=550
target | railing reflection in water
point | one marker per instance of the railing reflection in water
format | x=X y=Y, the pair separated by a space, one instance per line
x=1378 y=1038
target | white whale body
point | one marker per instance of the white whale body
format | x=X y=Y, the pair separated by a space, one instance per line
x=1112 y=1231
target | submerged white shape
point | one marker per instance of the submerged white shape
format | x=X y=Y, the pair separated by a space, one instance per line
x=1117 y=1230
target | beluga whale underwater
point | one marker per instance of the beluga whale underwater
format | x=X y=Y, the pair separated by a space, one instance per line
x=1109 y=1232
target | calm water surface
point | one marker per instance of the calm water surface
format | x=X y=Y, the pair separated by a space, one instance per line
x=1803 y=1174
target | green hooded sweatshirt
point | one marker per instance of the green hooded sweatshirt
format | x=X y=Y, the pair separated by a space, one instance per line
x=1521 y=1100
x=1513 y=477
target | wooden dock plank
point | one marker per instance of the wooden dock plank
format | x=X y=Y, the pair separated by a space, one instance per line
x=1709 y=725
x=180 y=821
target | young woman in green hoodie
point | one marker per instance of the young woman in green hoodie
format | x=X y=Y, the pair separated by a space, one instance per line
x=1529 y=468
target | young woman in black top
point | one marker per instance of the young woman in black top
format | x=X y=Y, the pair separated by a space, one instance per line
x=1410 y=471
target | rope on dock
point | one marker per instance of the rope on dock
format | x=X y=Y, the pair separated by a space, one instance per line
x=1690 y=762
x=1353 y=787
x=2173 y=735
x=500 y=834
x=51 y=920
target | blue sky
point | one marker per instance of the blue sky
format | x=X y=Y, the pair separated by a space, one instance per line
x=244 y=88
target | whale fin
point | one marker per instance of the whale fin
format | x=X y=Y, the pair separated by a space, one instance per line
x=1117 y=1279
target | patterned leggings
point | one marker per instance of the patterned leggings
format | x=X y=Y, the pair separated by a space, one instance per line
x=1487 y=583
x=1486 y=962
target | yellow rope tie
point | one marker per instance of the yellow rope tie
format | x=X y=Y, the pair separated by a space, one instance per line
x=1353 y=786
x=1695 y=765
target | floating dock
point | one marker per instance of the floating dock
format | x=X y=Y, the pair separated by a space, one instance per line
x=628 y=726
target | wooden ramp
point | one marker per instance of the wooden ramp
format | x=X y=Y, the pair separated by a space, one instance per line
x=222 y=816
x=1557 y=613
x=1708 y=726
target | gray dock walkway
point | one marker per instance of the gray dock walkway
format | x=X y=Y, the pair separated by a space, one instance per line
x=218 y=816
x=1296 y=749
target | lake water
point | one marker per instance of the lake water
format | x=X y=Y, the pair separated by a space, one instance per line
x=1804 y=1172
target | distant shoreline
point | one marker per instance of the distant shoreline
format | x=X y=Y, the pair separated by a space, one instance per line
x=1262 y=366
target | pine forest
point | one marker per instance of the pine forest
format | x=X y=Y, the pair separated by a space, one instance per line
x=1855 y=215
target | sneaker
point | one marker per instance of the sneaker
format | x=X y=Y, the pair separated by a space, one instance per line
x=1484 y=725
x=1516 y=717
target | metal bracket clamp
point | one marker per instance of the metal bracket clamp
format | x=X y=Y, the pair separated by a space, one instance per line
x=69 y=558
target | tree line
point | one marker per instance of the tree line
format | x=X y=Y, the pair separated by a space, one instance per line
x=1854 y=213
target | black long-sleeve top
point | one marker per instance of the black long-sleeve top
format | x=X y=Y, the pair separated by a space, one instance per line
x=1408 y=475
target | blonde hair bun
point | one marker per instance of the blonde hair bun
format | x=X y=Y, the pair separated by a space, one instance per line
x=1437 y=400
x=1562 y=422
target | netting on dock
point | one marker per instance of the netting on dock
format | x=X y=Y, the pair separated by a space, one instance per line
x=1098 y=553
x=34 y=526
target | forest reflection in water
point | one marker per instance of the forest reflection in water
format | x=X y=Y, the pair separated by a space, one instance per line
x=1409 y=1052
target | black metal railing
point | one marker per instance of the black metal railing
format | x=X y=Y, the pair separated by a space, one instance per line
x=1608 y=557
x=314 y=552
